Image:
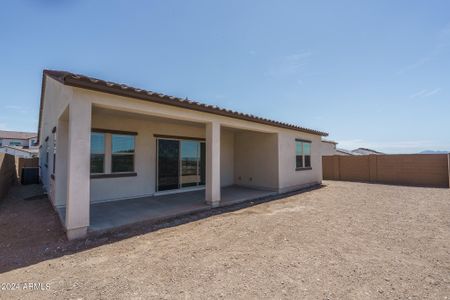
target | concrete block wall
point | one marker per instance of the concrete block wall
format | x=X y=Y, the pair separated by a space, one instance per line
x=431 y=170
x=8 y=174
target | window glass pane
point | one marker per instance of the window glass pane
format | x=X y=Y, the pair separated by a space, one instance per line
x=307 y=148
x=298 y=148
x=97 y=152
x=189 y=163
x=122 y=163
x=299 y=161
x=97 y=163
x=307 y=161
x=168 y=164
x=202 y=163
x=97 y=143
x=122 y=143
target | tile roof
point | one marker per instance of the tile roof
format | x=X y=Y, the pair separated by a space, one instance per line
x=366 y=151
x=86 y=82
x=329 y=141
x=348 y=152
x=17 y=135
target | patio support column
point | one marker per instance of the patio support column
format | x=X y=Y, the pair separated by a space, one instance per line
x=78 y=168
x=212 y=193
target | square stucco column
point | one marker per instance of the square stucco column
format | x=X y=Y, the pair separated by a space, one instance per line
x=212 y=193
x=78 y=169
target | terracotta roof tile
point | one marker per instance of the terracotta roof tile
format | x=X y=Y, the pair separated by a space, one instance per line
x=17 y=135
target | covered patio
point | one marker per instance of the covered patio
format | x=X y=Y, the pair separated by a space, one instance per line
x=173 y=167
x=108 y=215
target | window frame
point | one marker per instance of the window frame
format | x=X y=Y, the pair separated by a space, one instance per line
x=46 y=153
x=107 y=161
x=180 y=139
x=54 y=153
x=303 y=167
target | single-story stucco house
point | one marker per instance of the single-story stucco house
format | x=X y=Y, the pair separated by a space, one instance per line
x=106 y=147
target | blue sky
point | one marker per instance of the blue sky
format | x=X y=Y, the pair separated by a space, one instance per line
x=371 y=73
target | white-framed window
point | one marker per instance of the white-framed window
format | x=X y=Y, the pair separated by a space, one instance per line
x=302 y=154
x=112 y=153
x=15 y=143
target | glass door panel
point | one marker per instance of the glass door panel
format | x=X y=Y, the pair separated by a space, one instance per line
x=168 y=164
x=202 y=163
x=181 y=163
x=190 y=154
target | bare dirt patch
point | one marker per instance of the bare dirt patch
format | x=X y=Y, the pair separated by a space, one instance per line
x=345 y=240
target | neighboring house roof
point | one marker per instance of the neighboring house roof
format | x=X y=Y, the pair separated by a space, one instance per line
x=94 y=84
x=330 y=142
x=345 y=151
x=434 y=152
x=17 y=135
x=366 y=151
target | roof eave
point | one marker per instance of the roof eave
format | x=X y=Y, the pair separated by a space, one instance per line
x=121 y=90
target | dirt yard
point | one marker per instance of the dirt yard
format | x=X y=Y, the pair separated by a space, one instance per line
x=345 y=240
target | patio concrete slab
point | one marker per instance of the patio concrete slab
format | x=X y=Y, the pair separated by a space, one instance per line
x=108 y=215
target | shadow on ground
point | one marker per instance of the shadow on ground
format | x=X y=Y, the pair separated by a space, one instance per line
x=31 y=232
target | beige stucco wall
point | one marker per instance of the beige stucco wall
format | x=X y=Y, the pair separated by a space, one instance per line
x=290 y=178
x=57 y=98
x=144 y=184
x=256 y=160
x=227 y=157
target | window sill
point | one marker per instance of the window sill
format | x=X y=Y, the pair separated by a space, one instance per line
x=113 y=175
x=303 y=169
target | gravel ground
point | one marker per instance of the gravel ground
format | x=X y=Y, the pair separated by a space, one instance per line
x=345 y=240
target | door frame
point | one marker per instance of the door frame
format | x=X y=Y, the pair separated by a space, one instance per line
x=179 y=189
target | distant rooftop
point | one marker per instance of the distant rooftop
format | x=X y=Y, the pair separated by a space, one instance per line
x=329 y=141
x=348 y=152
x=366 y=151
x=17 y=135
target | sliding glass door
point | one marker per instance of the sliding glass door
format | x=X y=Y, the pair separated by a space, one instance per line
x=190 y=158
x=168 y=164
x=181 y=163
